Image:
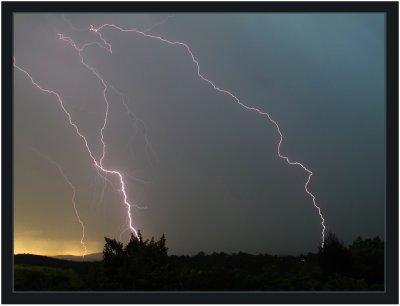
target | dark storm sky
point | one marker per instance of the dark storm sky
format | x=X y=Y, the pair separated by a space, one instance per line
x=210 y=176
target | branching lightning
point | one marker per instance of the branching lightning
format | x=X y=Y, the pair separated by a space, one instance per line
x=226 y=92
x=106 y=85
x=98 y=162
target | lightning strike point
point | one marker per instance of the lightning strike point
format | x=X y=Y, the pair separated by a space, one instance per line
x=96 y=163
x=234 y=97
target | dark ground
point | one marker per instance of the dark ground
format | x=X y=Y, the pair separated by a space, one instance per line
x=145 y=265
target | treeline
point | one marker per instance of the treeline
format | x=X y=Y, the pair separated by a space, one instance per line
x=143 y=265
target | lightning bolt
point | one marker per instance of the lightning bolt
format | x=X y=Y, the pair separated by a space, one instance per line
x=225 y=92
x=72 y=199
x=75 y=209
x=106 y=85
x=97 y=163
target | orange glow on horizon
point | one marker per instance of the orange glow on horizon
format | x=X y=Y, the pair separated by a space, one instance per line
x=49 y=247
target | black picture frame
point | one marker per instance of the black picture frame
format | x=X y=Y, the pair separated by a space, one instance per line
x=390 y=295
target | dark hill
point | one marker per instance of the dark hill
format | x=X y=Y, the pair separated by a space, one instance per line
x=38 y=260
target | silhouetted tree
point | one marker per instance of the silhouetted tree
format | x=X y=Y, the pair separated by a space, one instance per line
x=368 y=259
x=334 y=257
x=161 y=246
x=135 y=245
x=136 y=266
x=145 y=265
x=113 y=253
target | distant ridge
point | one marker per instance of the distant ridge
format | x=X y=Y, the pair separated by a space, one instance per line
x=39 y=260
x=88 y=257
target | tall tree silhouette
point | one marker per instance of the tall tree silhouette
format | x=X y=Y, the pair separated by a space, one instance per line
x=113 y=253
x=138 y=264
x=334 y=257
